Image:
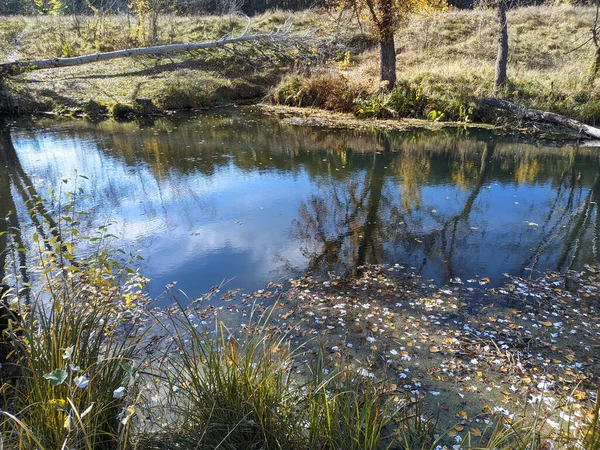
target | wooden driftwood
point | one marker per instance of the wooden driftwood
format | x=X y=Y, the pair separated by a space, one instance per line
x=541 y=116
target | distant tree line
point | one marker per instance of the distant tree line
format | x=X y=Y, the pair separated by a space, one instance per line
x=249 y=7
x=65 y=7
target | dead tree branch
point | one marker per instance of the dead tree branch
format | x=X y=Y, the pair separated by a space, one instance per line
x=281 y=35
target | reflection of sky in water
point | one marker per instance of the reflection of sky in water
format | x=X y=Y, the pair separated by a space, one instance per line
x=191 y=228
x=207 y=203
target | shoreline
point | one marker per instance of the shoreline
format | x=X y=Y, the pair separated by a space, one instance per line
x=324 y=119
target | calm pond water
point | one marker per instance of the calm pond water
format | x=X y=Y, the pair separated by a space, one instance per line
x=237 y=196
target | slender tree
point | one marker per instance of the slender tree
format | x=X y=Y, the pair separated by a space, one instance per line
x=596 y=41
x=502 y=58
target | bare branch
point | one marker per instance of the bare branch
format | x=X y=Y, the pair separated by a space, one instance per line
x=247 y=26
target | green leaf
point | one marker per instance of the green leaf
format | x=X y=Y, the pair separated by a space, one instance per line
x=57 y=377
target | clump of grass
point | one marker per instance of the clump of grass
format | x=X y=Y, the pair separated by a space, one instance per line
x=591 y=433
x=121 y=111
x=94 y=109
x=572 y=428
x=237 y=390
x=75 y=345
x=232 y=391
x=350 y=410
x=326 y=90
x=184 y=94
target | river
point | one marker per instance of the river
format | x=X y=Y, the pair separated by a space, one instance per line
x=238 y=197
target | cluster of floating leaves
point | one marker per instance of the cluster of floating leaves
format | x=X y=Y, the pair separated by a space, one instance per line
x=466 y=349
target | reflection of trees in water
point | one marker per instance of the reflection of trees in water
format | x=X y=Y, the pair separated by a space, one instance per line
x=344 y=224
x=370 y=202
x=575 y=231
x=353 y=221
x=12 y=179
x=441 y=243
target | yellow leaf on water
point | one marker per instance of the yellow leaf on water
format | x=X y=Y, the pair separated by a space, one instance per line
x=434 y=349
x=476 y=432
x=546 y=324
x=463 y=415
x=459 y=427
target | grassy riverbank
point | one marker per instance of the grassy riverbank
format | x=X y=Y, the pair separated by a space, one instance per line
x=445 y=65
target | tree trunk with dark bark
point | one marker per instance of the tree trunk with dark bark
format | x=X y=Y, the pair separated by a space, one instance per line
x=387 y=65
x=502 y=58
x=387 y=49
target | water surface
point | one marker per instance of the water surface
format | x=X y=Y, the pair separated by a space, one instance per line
x=238 y=196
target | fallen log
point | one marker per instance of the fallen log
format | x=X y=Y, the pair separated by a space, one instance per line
x=16 y=67
x=541 y=116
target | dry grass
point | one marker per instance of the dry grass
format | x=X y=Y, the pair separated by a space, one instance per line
x=448 y=58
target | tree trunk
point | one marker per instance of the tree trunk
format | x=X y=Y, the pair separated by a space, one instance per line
x=20 y=66
x=387 y=49
x=596 y=41
x=387 y=67
x=502 y=58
